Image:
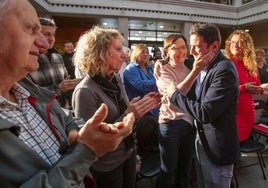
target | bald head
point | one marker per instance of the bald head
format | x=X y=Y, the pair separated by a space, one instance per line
x=4 y=4
x=8 y=5
x=4 y=7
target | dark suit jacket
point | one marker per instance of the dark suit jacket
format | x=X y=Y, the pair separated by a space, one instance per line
x=214 y=110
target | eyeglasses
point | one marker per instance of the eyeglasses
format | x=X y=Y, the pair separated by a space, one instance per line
x=239 y=43
x=178 y=48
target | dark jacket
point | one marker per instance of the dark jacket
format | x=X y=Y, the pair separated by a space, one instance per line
x=215 y=111
x=68 y=62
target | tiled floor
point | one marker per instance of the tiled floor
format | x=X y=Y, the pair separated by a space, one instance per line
x=249 y=177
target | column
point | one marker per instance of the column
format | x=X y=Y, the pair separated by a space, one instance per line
x=237 y=3
x=186 y=26
x=123 y=28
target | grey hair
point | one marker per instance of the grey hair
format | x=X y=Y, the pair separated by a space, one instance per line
x=5 y=6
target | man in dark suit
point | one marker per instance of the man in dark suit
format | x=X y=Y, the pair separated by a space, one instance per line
x=214 y=80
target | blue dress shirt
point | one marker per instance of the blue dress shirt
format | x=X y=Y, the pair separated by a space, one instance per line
x=138 y=83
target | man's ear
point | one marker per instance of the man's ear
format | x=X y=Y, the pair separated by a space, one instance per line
x=215 y=46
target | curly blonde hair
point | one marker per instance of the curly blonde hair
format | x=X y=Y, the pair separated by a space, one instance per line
x=248 y=50
x=92 y=49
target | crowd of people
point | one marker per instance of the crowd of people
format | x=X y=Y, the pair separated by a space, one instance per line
x=41 y=145
x=197 y=109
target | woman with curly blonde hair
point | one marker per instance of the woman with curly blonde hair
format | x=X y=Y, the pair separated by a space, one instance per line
x=239 y=47
x=99 y=54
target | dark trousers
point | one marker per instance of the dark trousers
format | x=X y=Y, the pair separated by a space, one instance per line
x=176 y=145
x=147 y=129
x=123 y=176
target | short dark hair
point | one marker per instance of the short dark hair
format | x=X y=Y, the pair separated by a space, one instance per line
x=47 y=22
x=67 y=42
x=208 y=31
